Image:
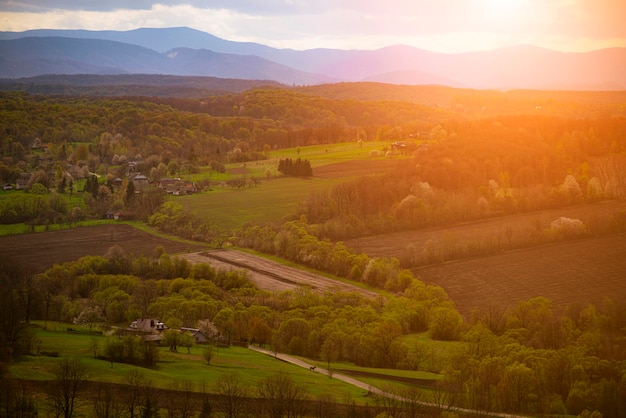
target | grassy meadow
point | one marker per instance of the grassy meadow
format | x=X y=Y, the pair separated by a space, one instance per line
x=275 y=198
x=250 y=365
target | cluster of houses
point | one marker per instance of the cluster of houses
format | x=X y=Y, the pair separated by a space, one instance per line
x=173 y=186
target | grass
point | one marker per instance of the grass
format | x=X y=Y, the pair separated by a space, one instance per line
x=269 y=201
x=22 y=228
x=437 y=353
x=274 y=199
x=320 y=155
x=251 y=366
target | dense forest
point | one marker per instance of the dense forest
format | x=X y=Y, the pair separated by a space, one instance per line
x=78 y=158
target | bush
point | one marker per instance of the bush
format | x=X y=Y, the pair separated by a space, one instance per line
x=568 y=227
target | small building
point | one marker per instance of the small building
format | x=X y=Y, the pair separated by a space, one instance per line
x=22 y=182
x=147 y=325
x=197 y=335
x=178 y=187
x=140 y=181
x=149 y=329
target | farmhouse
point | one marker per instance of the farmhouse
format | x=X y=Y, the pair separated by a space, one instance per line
x=140 y=181
x=178 y=187
x=150 y=329
x=147 y=325
x=197 y=335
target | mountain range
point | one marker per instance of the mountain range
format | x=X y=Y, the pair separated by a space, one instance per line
x=189 y=52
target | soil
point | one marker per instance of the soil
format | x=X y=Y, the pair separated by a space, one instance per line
x=270 y=275
x=572 y=272
x=576 y=272
x=485 y=230
x=40 y=251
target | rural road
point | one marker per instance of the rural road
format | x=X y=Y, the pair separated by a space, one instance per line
x=296 y=361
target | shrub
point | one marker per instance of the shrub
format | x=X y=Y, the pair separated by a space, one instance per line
x=568 y=227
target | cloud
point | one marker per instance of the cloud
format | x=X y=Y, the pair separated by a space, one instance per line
x=443 y=25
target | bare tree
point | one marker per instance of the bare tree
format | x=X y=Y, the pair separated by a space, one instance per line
x=137 y=394
x=70 y=375
x=234 y=394
x=326 y=406
x=184 y=403
x=390 y=403
x=106 y=402
x=283 y=397
x=94 y=344
x=15 y=400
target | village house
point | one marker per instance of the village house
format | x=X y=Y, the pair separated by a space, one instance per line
x=197 y=335
x=147 y=325
x=178 y=187
x=140 y=181
x=149 y=329
x=22 y=181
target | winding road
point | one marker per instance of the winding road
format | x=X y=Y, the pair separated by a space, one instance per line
x=296 y=361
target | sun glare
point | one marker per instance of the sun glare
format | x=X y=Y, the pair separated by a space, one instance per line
x=502 y=9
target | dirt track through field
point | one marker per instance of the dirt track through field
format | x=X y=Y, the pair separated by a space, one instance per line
x=270 y=275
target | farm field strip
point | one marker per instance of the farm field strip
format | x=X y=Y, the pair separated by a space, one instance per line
x=582 y=271
x=395 y=244
x=40 y=251
x=270 y=275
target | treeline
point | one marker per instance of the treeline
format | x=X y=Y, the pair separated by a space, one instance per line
x=298 y=167
x=294 y=241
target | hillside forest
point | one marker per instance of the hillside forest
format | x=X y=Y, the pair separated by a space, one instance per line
x=472 y=156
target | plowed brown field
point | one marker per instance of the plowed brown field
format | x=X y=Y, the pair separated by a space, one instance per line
x=581 y=271
x=40 y=251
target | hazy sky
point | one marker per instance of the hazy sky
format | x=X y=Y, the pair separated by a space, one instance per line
x=438 y=25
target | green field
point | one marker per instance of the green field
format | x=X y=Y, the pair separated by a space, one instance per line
x=250 y=365
x=269 y=201
x=273 y=199
x=321 y=155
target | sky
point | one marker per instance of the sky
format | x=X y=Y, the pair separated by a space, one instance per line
x=447 y=26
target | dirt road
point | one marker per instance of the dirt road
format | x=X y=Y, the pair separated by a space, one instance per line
x=371 y=389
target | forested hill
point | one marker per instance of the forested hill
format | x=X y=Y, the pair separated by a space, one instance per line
x=153 y=85
x=468 y=102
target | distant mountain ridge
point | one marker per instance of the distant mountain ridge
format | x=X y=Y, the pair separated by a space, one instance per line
x=189 y=52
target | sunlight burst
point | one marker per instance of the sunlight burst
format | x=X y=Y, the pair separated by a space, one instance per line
x=502 y=9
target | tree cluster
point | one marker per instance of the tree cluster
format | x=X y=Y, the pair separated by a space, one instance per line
x=298 y=167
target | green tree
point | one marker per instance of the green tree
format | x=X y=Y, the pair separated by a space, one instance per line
x=186 y=340
x=171 y=338
x=329 y=352
x=445 y=324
